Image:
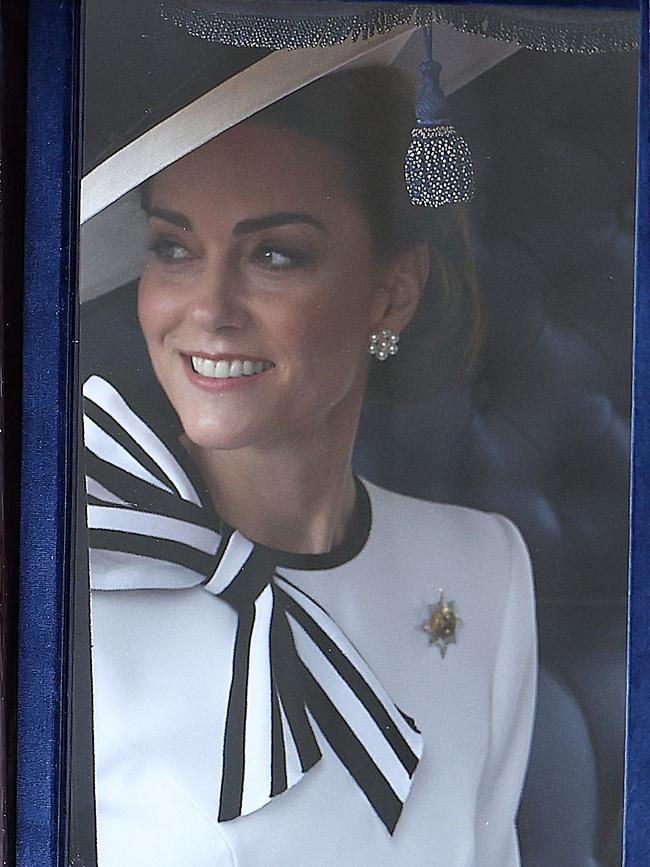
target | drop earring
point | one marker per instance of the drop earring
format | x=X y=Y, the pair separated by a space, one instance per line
x=383 y=343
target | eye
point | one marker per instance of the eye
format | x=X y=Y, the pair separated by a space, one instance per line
x=275 y=257
x=169 y=250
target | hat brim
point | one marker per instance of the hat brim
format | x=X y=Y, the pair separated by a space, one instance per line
x=114 y=230
x=275 y=76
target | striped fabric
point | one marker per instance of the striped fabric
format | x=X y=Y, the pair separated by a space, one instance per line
x=292 y=667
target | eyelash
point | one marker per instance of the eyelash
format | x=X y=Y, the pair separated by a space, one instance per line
x=161 y=248
x=297 y=257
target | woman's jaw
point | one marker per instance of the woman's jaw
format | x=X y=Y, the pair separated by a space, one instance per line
x=226 y=410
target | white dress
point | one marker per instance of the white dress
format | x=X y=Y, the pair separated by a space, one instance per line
x=161 y=670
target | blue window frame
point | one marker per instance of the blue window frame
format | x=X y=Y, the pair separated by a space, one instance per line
x=48 y=433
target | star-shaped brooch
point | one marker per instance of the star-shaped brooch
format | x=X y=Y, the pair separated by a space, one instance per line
x=442 y=624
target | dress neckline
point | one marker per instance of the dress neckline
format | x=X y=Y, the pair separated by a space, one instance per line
x=352 y=544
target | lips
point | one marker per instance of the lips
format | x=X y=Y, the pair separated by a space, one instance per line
x=222 y=368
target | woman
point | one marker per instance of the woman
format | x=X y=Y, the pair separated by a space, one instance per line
x=265 y=689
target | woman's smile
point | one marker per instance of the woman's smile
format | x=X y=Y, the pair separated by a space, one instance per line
x=221 y=371
x=260 y=290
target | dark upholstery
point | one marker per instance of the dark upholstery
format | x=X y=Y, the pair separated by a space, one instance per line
x=540 y=432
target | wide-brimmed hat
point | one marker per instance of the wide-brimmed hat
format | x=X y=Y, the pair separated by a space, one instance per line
x=164 y=78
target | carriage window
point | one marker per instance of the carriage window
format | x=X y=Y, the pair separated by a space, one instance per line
x=356 y=294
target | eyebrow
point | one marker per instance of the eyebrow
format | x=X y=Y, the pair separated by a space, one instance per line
x=244 y=227
x=270 y=221
x=173 y=217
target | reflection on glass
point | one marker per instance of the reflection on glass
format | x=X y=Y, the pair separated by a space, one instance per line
x=301 y=651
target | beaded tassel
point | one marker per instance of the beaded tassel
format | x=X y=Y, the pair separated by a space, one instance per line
x=438 y=165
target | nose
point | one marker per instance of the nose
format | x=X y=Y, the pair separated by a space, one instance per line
x=218 y=297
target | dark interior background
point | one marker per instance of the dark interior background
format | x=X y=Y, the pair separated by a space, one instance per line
x=541 y=430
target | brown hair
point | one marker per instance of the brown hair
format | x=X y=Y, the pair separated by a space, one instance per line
x=367 y=115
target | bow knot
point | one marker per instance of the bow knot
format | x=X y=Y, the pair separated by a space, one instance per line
x=243 y=571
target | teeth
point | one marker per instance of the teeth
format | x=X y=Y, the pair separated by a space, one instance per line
x=226 y=369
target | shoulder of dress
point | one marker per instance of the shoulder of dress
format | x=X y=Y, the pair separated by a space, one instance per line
x=425 y=513
x=461 y=532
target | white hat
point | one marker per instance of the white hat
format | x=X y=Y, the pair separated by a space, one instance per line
x=155 y=90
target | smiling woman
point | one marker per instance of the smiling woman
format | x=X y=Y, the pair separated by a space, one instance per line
x=259 y=256
x=261 y=616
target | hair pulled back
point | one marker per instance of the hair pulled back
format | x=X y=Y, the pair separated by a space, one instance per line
x=367 y=115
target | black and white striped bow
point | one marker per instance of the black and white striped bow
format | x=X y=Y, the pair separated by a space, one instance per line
x=291 y=665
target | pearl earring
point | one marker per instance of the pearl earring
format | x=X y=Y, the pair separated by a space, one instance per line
x=383 y=343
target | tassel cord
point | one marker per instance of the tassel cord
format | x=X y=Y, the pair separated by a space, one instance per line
x=430 y=103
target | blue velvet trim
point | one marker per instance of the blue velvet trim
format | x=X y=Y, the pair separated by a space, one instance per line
x=637 y=799
x=50 y=274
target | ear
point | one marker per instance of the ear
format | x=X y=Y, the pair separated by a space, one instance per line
x=404 y=278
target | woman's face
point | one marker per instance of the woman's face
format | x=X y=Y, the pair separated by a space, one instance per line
x=261 y=289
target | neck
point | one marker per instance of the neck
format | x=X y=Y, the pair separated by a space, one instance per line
x=297 y=495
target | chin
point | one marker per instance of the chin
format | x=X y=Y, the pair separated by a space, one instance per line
x=211 y=435
x=204 y=438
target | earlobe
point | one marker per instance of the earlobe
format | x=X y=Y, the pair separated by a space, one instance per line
x=405 y=279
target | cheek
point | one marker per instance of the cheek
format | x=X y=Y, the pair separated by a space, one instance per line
x=348 y=303
x=324 y=330
x=157 y=308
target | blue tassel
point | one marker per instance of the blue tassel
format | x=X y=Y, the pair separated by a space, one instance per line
x=438 y=165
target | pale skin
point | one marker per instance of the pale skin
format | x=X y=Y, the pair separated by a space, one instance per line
x=259 y=252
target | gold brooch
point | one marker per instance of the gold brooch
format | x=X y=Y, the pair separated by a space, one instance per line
x=442 y=624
